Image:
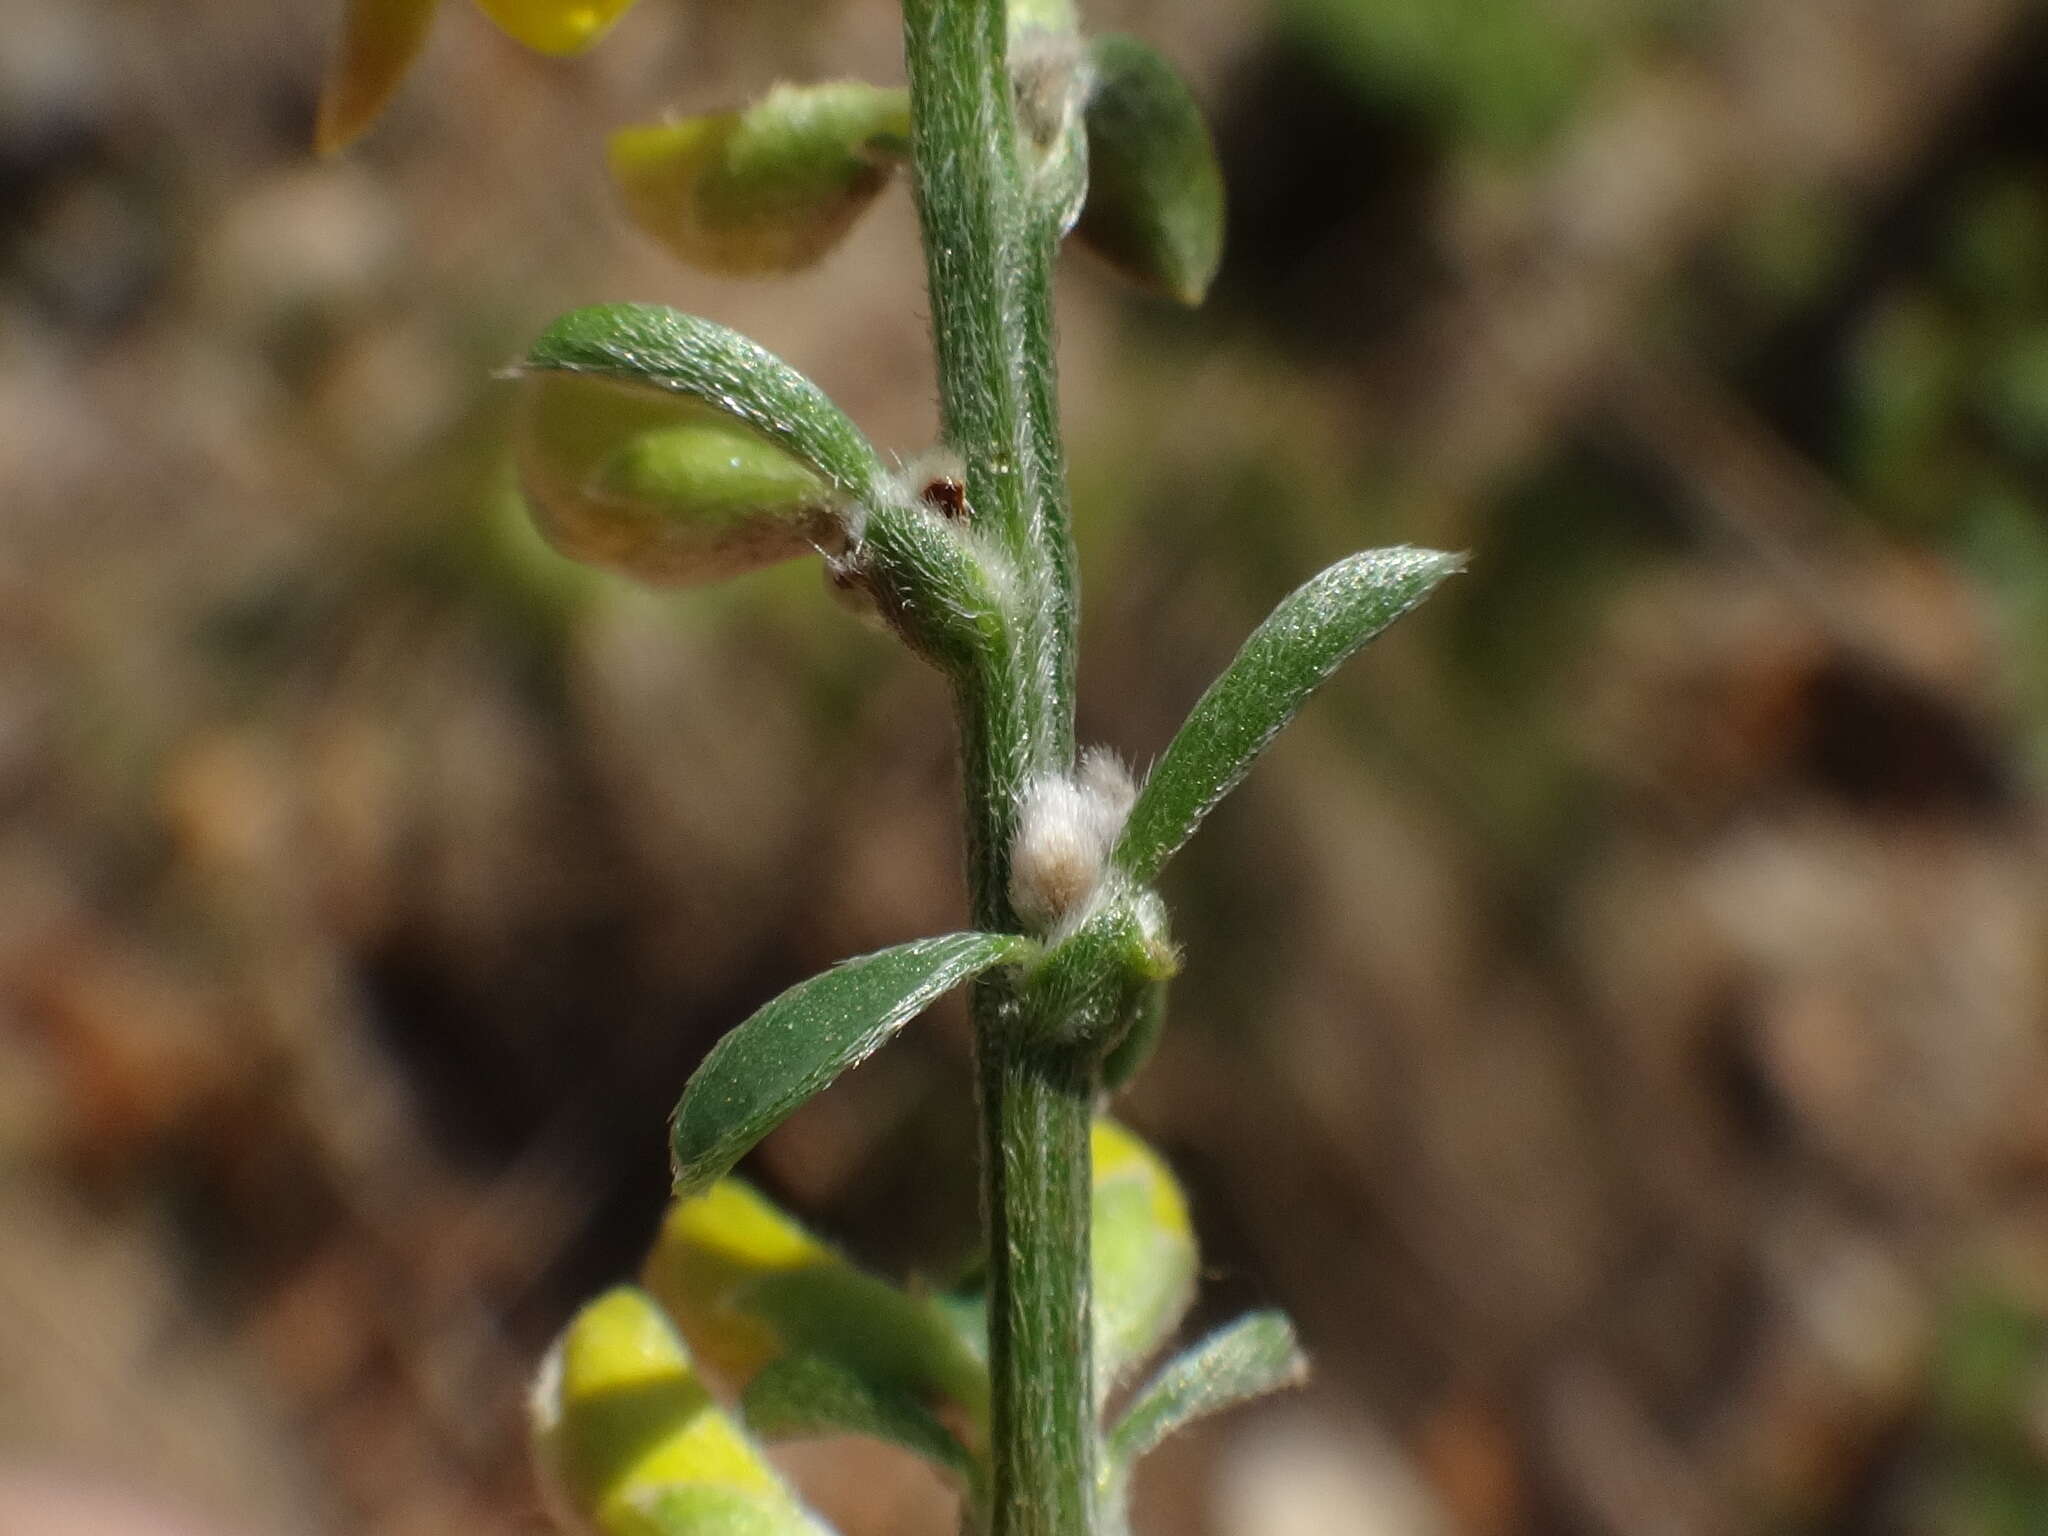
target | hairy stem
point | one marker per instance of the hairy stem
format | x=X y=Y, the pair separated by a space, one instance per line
x=988 y=258
x=1036 y=1109
x=989 y=251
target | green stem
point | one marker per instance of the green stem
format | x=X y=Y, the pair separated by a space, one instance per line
x=1036 y=1112
x=989 y=251
x=988 y=258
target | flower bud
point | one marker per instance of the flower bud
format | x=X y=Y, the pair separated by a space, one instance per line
x=556 y=26
x=1143 y=1250
x=769 y=189
x=662 y=487
x=749 y=1286
x=1155 y=193
x=628 y=1442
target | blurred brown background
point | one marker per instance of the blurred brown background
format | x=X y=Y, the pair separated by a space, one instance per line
x=1616 y=1022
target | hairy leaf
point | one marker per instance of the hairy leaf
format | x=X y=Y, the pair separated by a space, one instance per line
x=769 y=1065
x=663 y=349
x=1255 y=1355
x=1314 y=630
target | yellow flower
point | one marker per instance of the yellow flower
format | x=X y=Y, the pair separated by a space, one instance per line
x=380 y=39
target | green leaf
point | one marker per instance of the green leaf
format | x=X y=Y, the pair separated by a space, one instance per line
x=661 y=487
x=621 y=1421
x=749 y=1286
x=1313 y=631
x=1249 y=1358
x=770 y=189
x=764 y=1069
x=662 y=349
x=800 y=1396
x=1155 y=193
x=1142 y=1250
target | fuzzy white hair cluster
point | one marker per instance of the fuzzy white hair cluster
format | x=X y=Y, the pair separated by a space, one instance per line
x=1065 y=829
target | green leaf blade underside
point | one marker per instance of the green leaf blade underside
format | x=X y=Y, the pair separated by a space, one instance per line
x=660 y=348
x=791 y=1049
x=1314 y=631
x=1255 y=1355
x=800 y=1396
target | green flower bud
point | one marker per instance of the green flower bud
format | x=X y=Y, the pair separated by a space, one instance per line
x=663 y=487
x=1155 y=193
x=770 y=189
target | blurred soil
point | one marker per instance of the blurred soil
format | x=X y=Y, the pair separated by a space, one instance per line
x=1616 y=1021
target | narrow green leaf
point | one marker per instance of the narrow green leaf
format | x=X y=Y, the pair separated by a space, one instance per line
x=1249 y=1358
x=1155 y=194
x=1142 y=1248
x=800 y=1396
x=763 y=1070
x=769 y=189
x=659 y=348
x=1313 y=631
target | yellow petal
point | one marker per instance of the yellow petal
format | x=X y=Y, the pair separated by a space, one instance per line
x=379 y=40
x=746 y=1285
x=1144 y=1252
x=556 y=26
x=619 y=1415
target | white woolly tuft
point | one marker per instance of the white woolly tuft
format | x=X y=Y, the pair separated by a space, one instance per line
x=1065 y=829
x=1104 y=775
